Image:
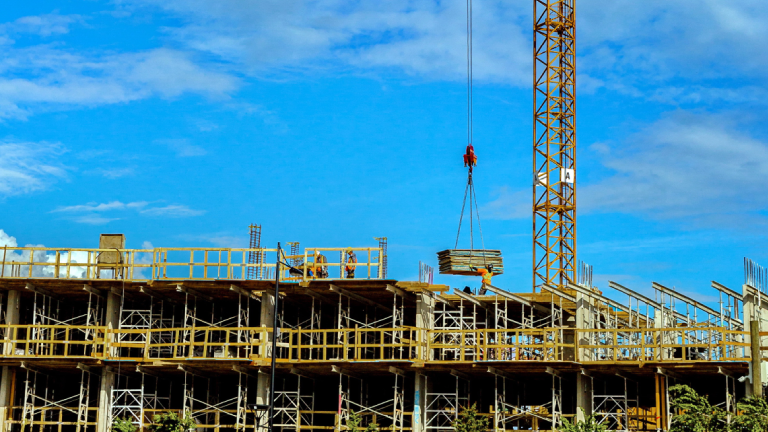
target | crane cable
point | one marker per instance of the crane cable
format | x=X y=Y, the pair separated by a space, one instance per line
x=470 y=188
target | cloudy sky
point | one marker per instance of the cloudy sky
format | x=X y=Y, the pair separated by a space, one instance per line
x=330 y=122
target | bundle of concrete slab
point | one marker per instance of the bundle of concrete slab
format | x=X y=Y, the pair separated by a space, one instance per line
x=462 y=261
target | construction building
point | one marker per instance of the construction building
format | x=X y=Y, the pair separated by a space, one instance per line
x=91 y=335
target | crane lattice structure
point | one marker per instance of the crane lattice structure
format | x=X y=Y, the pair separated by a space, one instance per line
x=554 y=155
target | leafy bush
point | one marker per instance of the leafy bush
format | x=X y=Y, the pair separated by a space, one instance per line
x=470 y=421
x=123 y=425
x=696 y=414
x=754 y=415
x=588 y=425
x=171 y=422
x=354 y=420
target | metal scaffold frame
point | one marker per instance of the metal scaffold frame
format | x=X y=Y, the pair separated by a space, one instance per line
x=39 y=408
x=442 y=408
x=295 y=405
x=135 y=396
x=208 y=412
x=613 y=410
x=392 y=320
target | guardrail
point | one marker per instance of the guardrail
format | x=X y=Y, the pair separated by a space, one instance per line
x=510 y=345
x=378 y=344
x=693 y=344
x=180 y=263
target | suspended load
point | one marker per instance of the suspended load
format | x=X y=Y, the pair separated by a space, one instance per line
x=458 y=261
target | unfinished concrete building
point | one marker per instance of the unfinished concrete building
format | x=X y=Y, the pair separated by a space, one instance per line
x=91 y=335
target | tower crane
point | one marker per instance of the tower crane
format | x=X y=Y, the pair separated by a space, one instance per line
x=554 y=143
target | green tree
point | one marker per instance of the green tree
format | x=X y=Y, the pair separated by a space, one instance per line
x=695 y=413
x=171 y=422
x=588 y=425
x=353 y=421
x=470 y=420
x=753 y=417
x=123 y=425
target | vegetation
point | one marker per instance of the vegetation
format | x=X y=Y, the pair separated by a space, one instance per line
x=123 y=425
x=696 y=414
x=470 y=421
x=171 y=422
x=588 y=425
x=354 y=421
x=754 y=415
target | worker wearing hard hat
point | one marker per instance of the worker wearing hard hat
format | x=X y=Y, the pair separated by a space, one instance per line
x=486 y=274
x=351 y=264
x=321 y=270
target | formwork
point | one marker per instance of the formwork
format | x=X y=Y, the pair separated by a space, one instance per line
x=92 y=335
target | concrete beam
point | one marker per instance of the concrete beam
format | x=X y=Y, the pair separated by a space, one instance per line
x=359 y=298
x=318 y=297
x=341 y=371
x=193 y=292
x=43 y=291
x=632 y=293
x=461 y=375
x=720 y=287
x=400 y=292
x=91 y=290
x=508 y=295
x=556 y=291
x=244 y=292
x=469 y=298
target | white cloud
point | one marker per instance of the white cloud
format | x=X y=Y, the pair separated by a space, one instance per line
x=509 y=204
x=693 y=167
x=100 y=213
x=46 y=76
x=7 y=240
x=182 y=147
x=96 y=207
x=173 y=210
x=420 y=37
x=27 y=167
x=41 y=25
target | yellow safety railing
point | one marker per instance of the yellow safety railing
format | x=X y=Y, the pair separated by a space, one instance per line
x=511 y=345
x=179 y=263
x=30 y=341
x=51 y=418
x=375 y=344
x=335 y=263
x=686 y=344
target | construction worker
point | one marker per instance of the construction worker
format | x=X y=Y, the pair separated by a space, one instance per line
x=321 y=270
x=351 y=264
x=470 y=159
x=486 y=274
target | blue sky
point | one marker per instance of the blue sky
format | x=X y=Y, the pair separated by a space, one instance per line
x=180 y=122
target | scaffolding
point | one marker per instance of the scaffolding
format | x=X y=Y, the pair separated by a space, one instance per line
x=442 y=406
x=294 y=401
x=44 y=410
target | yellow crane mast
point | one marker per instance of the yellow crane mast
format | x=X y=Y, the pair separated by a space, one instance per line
x=554 y=141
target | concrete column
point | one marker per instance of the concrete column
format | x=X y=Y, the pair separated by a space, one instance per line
x=584 y=312
x=266 y=317
x=9 y=373
x=425 y=312
x=583 y=396
x=419 y=402
x=107 y=382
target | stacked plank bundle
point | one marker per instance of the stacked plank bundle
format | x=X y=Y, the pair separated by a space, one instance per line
x=458 y=261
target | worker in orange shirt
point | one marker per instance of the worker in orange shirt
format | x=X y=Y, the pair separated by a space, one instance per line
x=486 y=274
x=351 y=264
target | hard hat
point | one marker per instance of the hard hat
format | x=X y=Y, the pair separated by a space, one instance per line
x=349 y=251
